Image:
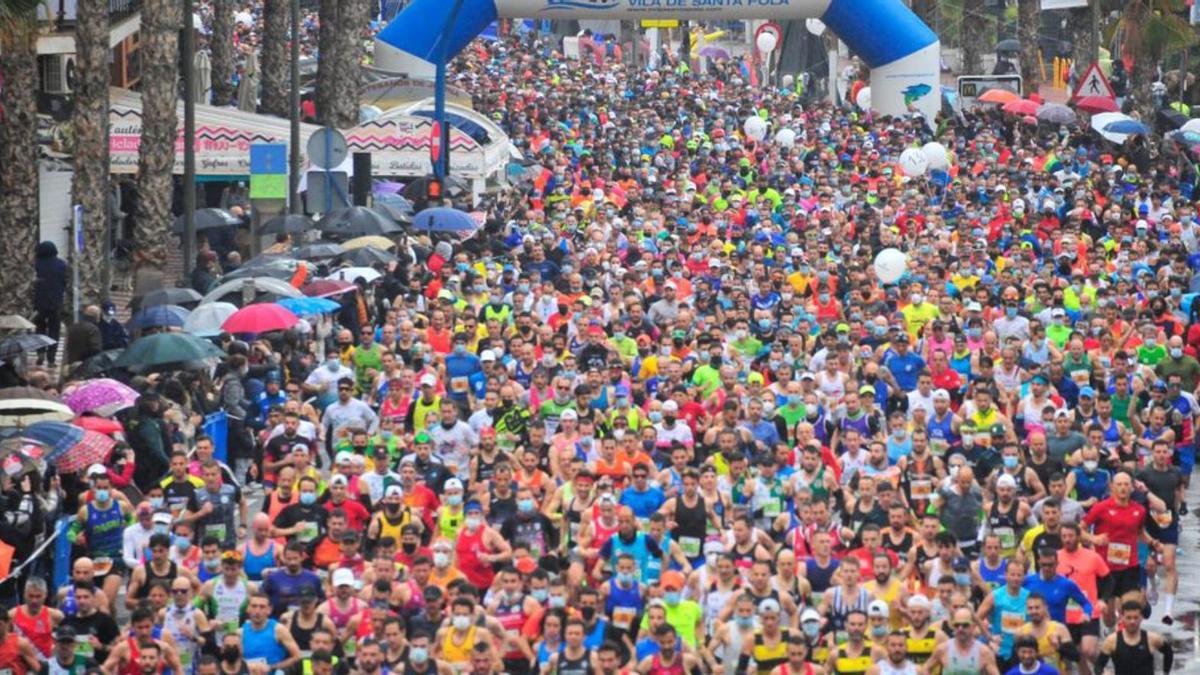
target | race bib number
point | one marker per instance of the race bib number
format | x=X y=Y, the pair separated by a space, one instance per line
x=1080 y=377
x=308 y=532
x=1119 y=554
x=772 y=507
x=1007 y=537
x=622 y=617
x=459 y=385
x=1011 y=622
x=83 y=646
x=690 y=546
x=1075 y=612
x=230 y=627
x=102 y=564
x=350 y=647
x=921 y=489
x=217 y=531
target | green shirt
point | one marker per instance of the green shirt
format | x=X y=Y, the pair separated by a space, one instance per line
x=1058 y=334
x=683 y=617
x=1151 y=357
x=1186 y=367
x=707 y=378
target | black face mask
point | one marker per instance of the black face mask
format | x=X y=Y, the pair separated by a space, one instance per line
x=588 y=613
x=409 y=548
x=230 y=654
x=715 y=361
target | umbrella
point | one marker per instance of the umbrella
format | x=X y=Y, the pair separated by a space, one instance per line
x=1191 y=125
x=96 y=365
x=445 y=220
x=20 y=406
x=1009 y=46
x=202 y=87
x=1189 y=138
x=357 y=220
x=207 y=319
x=57 y=437
x=15 y=322
x=319 y=251
x=387 y=187
x=393 y=203
x=1129 y=127
x=101 y=425
x=282 y=268
x=352 y=274
x=400 y=214
x=261 y=318
x=1101 y=120
x=287 y=223
x=327 y=288
x=70 y=447
x=18 y=456
x=247 y=91
x=1096 y=104
x=715 y=53
x=167 y=296
x=159 y=316
x=104 y=397
x=1170 y=119
x=167 y=348
x=1000 y=96
x=207 y=219
x=369 y=255
x=378 y=242
x=1022 y=107
x=26 y=342
x=1056 y=113
x=309 y=306
x=249 y=290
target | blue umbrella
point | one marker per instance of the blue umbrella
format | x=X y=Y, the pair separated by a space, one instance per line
x=1128 y=127
x=309 y=306
x=160 y=316
x=445 y=220
x=58 y=437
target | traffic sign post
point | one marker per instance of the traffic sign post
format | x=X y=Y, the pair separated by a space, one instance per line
x=1093 y=83
x=327 y=150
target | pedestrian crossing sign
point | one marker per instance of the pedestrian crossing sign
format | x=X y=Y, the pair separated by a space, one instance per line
x=1093 y=83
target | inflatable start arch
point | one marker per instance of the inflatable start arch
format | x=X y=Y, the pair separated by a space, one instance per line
x=903 y=53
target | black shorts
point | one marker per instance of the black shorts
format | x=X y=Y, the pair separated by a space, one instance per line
x=1081 y=630
x=517 y=666
x=1120 y=582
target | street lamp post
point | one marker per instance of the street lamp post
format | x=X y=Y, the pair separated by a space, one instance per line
x=294 y=117
x=189 y=138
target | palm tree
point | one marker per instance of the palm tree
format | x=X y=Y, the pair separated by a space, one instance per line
x=18 y=152
x=156 y=154
x=221 y=43
x=274 y=71
x=1150 y=29
x=1028 y=18
x=328 y=45
x=92 y=56
x=974 y=36
x=339 y=68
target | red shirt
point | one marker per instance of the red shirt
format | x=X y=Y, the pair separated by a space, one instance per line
x=867 y=558
x=357 y=515
x=1122 y=524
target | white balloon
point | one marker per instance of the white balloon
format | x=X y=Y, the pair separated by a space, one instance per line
x=815 y=26
x=863 y=99
x=913 y=162
x=766 y=42
x=786 y=137
x=936 y=153
x=755 y=127
x=890 y=265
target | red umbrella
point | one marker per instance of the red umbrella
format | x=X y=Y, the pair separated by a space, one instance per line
x=325 y=288
x=1096 y=104
x=261 y=318
x=999 y=96
x=1022 y=107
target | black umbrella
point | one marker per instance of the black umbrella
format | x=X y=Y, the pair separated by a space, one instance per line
x=368 y=256
x=397 y=213
x=319 y=251
x=207 y=219
x=184 y=297
x=357 y=220
x=1009 y=46
x=287 y=223
x=96 y=365
x=1170 y=120
x=25 y=342
x=276 y=267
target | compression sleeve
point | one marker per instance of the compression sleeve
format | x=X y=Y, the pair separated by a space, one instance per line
x=1069 y=651
x=1168 y=653
x=1102 y=662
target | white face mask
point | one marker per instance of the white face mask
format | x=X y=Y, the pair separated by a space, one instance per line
x=462 y=622
x=441 y=560
x=473 y=522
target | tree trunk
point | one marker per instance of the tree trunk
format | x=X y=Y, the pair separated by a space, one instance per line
x=927 y=10
x=222 y=52
x=1134 y=21
x=19 y=217
x=156 y=154
x=1085 y=46
x=328 y=42
x=1028 y=20
x=92 y=63
x=275 y=81
x=974 y=36
x=353 y=17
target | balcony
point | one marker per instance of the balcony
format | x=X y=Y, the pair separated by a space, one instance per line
x=62 y=12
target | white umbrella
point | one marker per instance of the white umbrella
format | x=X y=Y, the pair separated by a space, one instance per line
x=251 y=288
x=1104 y=119
x=1191 y=125
x=248 y=85
x=206 y=320
x=203 y=82
x=367 y=274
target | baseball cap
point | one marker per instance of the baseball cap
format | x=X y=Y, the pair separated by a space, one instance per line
x=1006 y=481
x=339 y=479
x=941 y=395
x=488 y=431
x=914 y=602
x=670 y=406
x=878 y=608
x=393 y=491
x=526 y=565
x=997 y=430
x=421 y=437
x=487 y=355
x=1087 y=391
x=569 y=414
x=754 y=377
x=473 y=506
x=453 y=484
x=428 y=380
x=64 y=634
x=974 y=307
x=673 y=580
x=162 y=518
x=97 y=470
x=810 y=615
x=960 y=564
x=343 y=577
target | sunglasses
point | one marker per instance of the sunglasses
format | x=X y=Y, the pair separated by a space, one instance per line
x=960 y=624
x=179 y=591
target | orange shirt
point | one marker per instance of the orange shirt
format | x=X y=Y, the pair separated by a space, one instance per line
x=327 y=553
x=1084 y=567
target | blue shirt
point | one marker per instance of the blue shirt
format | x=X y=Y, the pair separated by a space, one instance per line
x=905 y=369
x=1057 y=592
x=763 y=431
x=1042 y=669
x=643 y=504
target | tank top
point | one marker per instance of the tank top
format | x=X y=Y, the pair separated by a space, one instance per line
x=255 y=565
x=468 y=547
x=845 y=664
x=716 y=599
x=511 y=616
x=1133 y=658
x=819 y=577
x=941 y=434
x=500 y=509
x=690 y=526
x=842 y=606
x=152 y=576
x=994 y=576
x=815 y=485
x=766 y=658
x=391 y=528
x=228 y=603
x=886 y=668
x=917 y=481
x=1004 y=525
x=303 y=634
x=1046 y=651
x=342 y=617
x=11 y=661
x=449 y=523
x=261 y=643
x=105 y=530
x=658 y=668
x=601 y=533
x=35 y=628
x=175 y=619
x=623 y=605
x=1008 y=615
x=962 y=664
x=920 y=645
x=459 y=652
x=579 y=666
x=129 y=668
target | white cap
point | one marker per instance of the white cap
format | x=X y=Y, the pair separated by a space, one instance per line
x=393 y=491
x=918 y=601
x=428 y=380
x=809 y=615
x=343 y=577
x=878 y=608
x=338 y=479
x=453 y=484
x=162 y=518
x=670 y=406
x=343 y=456
x=97 y=470
x=487 y=355
x=569 y=414
x=974 y=307
x=1006 y=481
x=941 y=394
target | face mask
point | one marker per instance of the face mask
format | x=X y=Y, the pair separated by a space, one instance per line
x=441 y=560
x=1010 y=312
x=879 y=631
x=588 y=613
x=968 y=441
x=744 y=621
x=101 y=495
x=880 y=331
x=540 y=594
x=962 y=579
x=1011 y=462
x=473 y=523
x=308 y=498
x=418 y=654
x=795 y=400
x=454 y=500
x=624 y=579
x=161 y=529
x=672 y=598
x=1151 y=343
x=156 y=503
x=332 y=365
x=811 y=629
x=655 y=416
x=212 y=565
x=460 y=350
x=557 y=602
x=230 y=654
x=1091 y=465
x=525 y=505
x=462 y=622
x=182 y=544
x=1176 y=352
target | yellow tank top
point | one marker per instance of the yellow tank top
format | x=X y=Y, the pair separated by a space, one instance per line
x=1045 y=650
x=847 y=665
x=920 y=647
x=460 y=653
x=769 y=657
x=387 y=529
x=888 y=594
x=984 y=421
x=421 y=412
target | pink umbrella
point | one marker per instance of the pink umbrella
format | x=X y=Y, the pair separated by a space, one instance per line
x=262 y=318
x=103 y=397
x=1022 y=107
